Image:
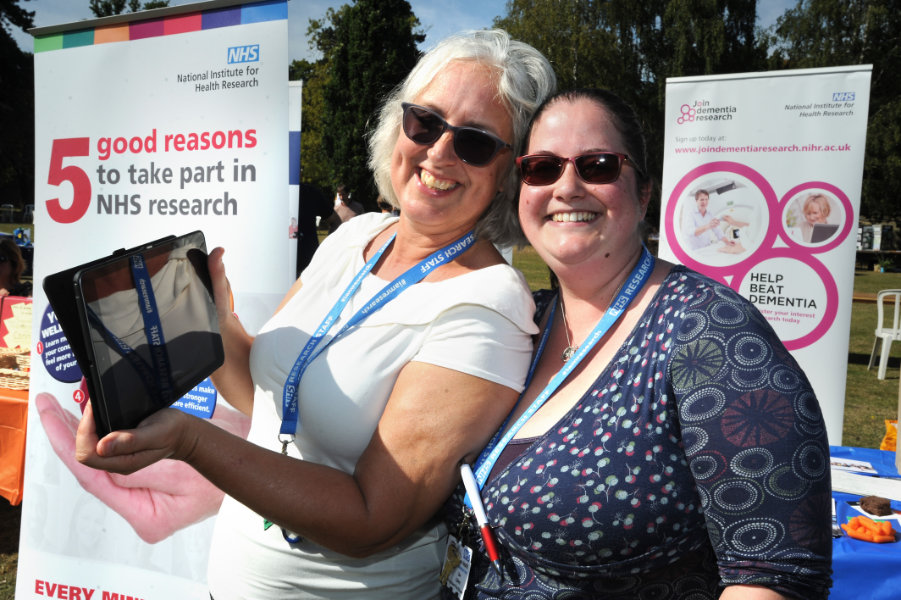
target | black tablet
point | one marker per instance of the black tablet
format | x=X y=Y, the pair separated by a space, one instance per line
x=822 y=232
x=142 y=325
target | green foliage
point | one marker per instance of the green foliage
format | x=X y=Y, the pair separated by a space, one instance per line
x=16 y=108
x=632 y=47
x=368 y=48
x=314 y=163
x=13 y=15
x=107 y=8
x=825 y=33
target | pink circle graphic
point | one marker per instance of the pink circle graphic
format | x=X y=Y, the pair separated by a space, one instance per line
x=748 y=173
x=734 y=275
x=828 y=283
x=836 y=239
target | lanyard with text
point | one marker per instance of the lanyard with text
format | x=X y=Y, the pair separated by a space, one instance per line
x=311 y=350
x=634 y=283
x=160 y=378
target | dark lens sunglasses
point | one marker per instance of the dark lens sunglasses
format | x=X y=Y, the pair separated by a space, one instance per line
x=473 y=146
x=597 y=167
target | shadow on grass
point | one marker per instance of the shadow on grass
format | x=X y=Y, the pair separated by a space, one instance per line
x=10 y=517
x=856 y=358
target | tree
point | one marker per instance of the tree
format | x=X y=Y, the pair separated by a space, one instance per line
x=12 y=15
x=368 y=48
x=631 y=48
x=825 y=33
x=314 y=162
x=16 y=108
x=107 y=8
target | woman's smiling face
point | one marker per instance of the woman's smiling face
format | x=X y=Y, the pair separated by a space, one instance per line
x=436 y=190
x=814 y=214
x=571 y=221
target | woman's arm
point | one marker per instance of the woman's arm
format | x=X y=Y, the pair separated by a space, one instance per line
x=764 y=439
x=233 y=378
x=434 y=419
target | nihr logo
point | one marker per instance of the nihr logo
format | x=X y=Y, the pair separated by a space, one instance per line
x=244 y=54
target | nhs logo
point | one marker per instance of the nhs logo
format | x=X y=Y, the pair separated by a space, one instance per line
x=243 y=54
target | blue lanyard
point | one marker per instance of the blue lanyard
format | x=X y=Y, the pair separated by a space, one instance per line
x=495 y=447
x=160 y=378
x=312 y=349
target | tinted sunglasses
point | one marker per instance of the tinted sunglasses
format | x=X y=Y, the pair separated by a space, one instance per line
x=596 y=167
x=473 y=146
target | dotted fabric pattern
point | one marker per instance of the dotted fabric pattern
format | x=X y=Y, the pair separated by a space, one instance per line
x=697 y=459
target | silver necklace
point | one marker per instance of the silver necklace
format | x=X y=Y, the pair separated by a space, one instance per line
x=570 y=349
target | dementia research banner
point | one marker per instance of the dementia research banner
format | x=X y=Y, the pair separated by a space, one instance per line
x=147 y=125
x=761 y=190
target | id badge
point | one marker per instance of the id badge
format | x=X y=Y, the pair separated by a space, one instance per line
x=457 y=563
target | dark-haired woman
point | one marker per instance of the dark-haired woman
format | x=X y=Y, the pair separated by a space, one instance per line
x=666 y=445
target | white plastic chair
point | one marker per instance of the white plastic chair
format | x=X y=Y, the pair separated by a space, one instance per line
x=888 y=334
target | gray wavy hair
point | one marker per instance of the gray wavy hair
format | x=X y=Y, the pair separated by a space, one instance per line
x=525 y=79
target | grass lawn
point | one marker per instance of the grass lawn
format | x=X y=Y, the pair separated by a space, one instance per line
x=868 y=401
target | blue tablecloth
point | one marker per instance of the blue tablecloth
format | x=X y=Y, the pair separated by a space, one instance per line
x=863 y=570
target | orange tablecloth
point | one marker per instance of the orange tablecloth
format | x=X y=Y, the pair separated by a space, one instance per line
x=13 y=418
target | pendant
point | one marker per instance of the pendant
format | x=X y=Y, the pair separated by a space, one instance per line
x=568 y=353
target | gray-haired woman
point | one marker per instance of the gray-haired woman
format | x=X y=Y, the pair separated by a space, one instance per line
x=391 y=360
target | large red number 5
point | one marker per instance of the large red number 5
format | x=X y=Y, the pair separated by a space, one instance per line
x=81 y=185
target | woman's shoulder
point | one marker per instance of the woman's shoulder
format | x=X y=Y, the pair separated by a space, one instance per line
x=345 y=245
x=359 y=230
x=500 y=288
x=690 y=292
x=683 y=280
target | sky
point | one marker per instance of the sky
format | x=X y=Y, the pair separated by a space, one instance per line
x=439 y=18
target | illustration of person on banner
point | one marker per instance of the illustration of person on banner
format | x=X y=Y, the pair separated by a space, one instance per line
x=811 y=219
x=703 y=228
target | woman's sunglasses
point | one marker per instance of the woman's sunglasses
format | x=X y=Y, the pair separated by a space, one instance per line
x=473 y=146
x=597 y=167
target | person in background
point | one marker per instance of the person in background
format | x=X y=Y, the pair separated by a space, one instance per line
x=390 y=361
x=12 y=265
x=345 y=208
x=667 y=445
x=314 y=206
x=343 y=197
x=385 y=207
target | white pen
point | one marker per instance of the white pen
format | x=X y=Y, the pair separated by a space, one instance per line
x=475 y=498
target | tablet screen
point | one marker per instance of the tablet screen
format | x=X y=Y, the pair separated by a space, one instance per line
x=150 y=328
x=822 y=232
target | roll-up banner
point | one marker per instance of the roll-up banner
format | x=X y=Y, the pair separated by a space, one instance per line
x=761 y=190
x=295 y=110
x=147 y=125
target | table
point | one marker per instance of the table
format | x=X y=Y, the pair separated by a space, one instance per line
x=862 y=569
x=867 y=258
x=13 y=420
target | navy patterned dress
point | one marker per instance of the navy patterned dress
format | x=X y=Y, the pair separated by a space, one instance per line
x=698 y=459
